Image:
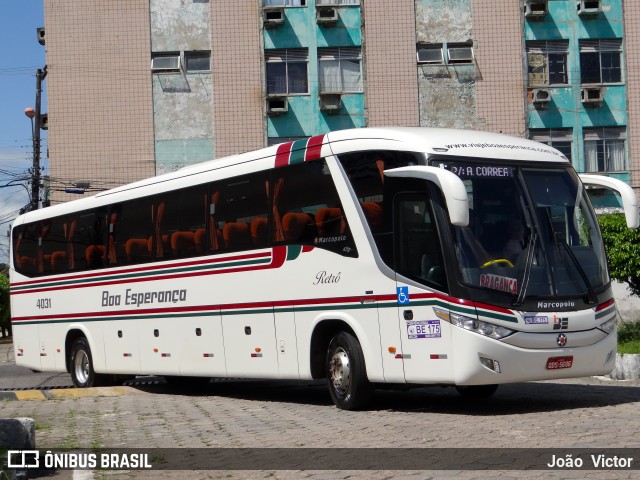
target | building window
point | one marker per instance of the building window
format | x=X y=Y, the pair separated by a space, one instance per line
x=600 y=61
x=339 y=70
x=285 y=3
x=459 y=53
x=197 y=61
x=430 y=53
x=166 y=62
x=604 y=149
x=547 y=63
x=287 y=71
x=434 y=53
x=558 y=138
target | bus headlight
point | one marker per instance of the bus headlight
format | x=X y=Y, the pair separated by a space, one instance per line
x=474 y=325
x=608 y=326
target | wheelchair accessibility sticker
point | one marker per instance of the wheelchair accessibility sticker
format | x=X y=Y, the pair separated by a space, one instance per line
x=403 y=295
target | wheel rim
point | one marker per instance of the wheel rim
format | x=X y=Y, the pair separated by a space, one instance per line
x=340 y=370
x=81 y=367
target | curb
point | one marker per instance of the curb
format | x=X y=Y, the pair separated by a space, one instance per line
x=61 y=394
x=627 y=367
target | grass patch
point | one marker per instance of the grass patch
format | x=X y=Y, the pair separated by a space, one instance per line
x=629 y=347
x=629 y=337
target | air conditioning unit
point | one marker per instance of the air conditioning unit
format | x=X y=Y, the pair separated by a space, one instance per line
x=535 y=9
x=540 y=96
x=588 y=7
x=330 y=102
x=591 y=95
x=272 y=17
x=166 y=63
x=277 y=106
x=460 y=54
x=430 y=54
x=40 y=34
x=326 y=15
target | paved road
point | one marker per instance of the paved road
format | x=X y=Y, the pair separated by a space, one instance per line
x=583 y=413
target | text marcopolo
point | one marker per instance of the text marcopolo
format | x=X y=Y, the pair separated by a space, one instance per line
x=137 y=299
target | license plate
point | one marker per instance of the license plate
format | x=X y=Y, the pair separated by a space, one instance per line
x=555 y=363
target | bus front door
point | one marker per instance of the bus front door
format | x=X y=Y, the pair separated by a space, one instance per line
x=420 y=281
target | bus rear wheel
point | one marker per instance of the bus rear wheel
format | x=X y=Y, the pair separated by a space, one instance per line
x=81 y=365
x=346 y=373
x=477 y=391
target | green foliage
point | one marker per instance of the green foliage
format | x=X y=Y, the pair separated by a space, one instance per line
x=629 y=347
x=628 y=332
x=623 y=250
x=629 y=337
x=5 y=310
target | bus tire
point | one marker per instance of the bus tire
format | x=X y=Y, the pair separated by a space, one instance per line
x=81 y=365
x=346 y=373
x=477 y=391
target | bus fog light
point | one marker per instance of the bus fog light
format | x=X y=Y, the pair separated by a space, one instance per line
x=490 y=364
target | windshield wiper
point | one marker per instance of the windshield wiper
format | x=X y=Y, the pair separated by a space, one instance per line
x=524 y=283
x=559 y=239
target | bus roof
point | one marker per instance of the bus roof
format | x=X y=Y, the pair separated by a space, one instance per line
x=455 y=142
x=448 y=142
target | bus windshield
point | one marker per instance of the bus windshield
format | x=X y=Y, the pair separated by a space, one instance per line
x=532 y=235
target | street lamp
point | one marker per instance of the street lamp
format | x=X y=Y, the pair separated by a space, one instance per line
x=36 y=123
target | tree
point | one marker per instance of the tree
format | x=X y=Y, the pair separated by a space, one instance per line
x=5 y=308
x=623 y=250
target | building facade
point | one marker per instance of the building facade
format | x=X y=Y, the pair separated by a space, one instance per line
x=156 y=85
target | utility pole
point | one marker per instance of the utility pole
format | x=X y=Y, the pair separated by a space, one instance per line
x=36 y=117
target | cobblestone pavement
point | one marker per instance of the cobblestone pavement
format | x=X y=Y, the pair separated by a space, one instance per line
x=583 y=413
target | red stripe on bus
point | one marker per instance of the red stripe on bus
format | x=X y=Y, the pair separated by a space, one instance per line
x=102 y=273
x=282 y=154
x=278 y=257
x=314 y=146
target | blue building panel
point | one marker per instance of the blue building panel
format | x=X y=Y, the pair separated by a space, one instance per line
x=566 y=107
x=301 y=29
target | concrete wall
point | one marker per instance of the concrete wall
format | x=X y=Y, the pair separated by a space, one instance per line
x=447 y=93
x=390 y=77
x=182 y=101
x=632 y=72
x=238 y=95
x=498 y=49
x=98 y=92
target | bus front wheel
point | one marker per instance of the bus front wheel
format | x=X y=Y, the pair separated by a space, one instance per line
x=346 y=373
x=81 y=365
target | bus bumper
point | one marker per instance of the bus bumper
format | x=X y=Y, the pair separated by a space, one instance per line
x=476 y=355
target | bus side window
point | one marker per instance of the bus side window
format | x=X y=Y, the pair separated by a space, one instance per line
x=25 y=249
x=131 y=229
x=238 y=213
x=184 y=223
x=89 y=245
x=306 y=209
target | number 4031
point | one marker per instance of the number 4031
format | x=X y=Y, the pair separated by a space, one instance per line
x=43 y=303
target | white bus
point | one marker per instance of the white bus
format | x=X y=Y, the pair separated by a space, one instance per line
x=367 y=256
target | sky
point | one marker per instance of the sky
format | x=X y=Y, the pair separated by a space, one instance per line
x=20 y=57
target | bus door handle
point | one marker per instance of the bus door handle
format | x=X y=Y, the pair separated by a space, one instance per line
x=408 y=314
